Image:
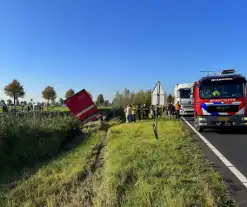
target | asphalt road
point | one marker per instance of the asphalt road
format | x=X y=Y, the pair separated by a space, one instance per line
x=232 y=144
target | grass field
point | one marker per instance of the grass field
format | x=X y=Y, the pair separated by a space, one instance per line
x=128 y=167
x=55 y=182
x=171 y=171
x=23 y=143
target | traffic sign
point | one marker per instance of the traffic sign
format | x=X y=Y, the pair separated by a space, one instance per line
x=158 y=95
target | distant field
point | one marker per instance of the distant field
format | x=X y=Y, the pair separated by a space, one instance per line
x=57 y=108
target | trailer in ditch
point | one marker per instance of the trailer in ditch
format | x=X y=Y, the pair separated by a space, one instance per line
x=82 y=107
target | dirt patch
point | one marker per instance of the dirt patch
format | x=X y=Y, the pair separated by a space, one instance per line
x=81 y=192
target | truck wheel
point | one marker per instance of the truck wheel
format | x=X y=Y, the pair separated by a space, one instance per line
x=197 y=127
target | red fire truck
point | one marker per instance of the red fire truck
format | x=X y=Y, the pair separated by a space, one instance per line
x=82 y=107
x=220 y=101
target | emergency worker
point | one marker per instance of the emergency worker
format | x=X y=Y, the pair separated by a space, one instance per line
x=216 y=92
x=177 y=108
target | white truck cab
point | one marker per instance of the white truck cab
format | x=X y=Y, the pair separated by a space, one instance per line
x=182 y=93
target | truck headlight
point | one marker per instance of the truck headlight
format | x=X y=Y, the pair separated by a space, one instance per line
x=202 y=119
x=244 y=118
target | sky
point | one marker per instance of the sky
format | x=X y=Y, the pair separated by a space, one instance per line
x=106 y=46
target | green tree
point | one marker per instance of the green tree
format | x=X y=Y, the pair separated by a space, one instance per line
x=118 y=100
x=100 y=99
x=14 y=90
x=9 y=101
x=128 y=97
x=17 y=103
x=61 y=101
x=49 y=93
x=2 y=101
x=170 y=98
x=106 y=102
x=69 y=93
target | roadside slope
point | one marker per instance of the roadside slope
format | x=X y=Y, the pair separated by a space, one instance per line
x=171 y=171
x=53 y=184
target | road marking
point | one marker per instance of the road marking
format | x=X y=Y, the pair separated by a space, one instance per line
x=228 y=164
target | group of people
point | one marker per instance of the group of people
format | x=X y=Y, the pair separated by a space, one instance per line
x=28 y=107
x=141 y=112
x=133 y=112
x=173 y=110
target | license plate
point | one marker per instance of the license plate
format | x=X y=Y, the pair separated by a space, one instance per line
x=223 y=118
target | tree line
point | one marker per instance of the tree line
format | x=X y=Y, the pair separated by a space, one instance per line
x=140 y=97
x=128 y=97
x=15 y=90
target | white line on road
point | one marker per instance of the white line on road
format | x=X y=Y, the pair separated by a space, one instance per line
x=230 y=166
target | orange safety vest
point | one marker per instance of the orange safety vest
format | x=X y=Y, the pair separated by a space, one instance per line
x=177 y=106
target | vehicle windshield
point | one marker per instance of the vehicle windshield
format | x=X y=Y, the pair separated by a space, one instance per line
x=226 y=90
x=184 y=93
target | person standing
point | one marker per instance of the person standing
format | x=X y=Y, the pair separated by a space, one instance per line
x=144 y=111
x=147 y=112
x=128 y=112
x=170 y=110
x=139 y=111
x=177 y=108
x=134 y=113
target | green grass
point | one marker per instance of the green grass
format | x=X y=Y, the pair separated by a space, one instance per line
x=171 y=171
x=64 y=108
x=56 y=108
x=49 y=185
x=23 y=142
x=137 y=170
x=56 y=182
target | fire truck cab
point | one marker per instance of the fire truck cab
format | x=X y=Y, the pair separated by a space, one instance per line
x=220 y=101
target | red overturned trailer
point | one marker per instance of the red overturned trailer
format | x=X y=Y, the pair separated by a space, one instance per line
x=82 y=107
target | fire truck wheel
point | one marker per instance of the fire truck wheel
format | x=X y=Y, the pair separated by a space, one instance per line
x=200 y=129
x=197 y=127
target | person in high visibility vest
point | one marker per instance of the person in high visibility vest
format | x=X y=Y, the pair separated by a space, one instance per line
x=177 y=108
x=134 y=113
x=216 y=93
